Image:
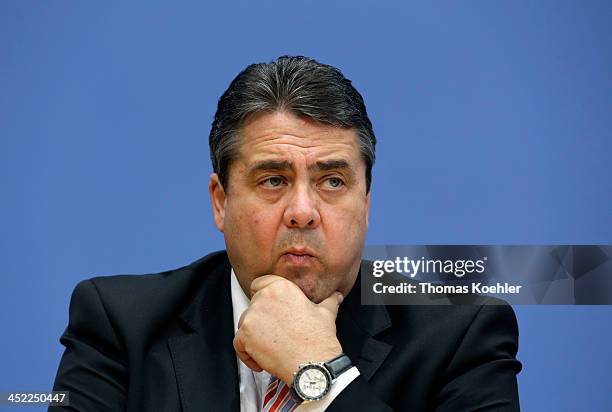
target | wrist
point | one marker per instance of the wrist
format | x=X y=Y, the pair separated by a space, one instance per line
x=320 y=356
x=314 y=380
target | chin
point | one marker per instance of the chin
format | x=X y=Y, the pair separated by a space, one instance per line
x=312 y=287
x=311 y=280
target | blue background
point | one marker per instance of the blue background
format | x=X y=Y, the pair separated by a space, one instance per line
x=494 y=123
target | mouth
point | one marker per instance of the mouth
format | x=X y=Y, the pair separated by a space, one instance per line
x=298 y=256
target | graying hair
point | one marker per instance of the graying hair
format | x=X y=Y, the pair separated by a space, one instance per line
x=297 y=84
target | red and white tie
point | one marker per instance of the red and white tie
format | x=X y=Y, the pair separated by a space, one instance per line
x=278 y=397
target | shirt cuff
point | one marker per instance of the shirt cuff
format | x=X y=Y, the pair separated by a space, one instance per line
x=342 y=382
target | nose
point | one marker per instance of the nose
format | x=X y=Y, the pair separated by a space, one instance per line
x=302 y=211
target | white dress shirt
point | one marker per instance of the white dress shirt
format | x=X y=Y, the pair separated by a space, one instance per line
x=253 y=385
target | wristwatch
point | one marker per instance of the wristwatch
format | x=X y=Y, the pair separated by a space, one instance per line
x=313 y=380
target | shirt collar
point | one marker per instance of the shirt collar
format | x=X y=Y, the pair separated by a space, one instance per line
x=240 y=301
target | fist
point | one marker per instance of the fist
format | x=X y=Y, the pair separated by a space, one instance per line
x=282 y=328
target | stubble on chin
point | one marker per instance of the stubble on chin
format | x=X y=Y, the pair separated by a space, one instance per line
x=315 y=285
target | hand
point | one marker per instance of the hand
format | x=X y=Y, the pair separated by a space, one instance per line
x=282 y=328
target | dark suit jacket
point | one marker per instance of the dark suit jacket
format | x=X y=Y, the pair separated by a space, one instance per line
x=163 y=342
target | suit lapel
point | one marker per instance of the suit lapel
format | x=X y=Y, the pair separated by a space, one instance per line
x=357 y=325
x=204 y=358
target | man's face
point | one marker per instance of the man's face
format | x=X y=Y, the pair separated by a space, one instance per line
x=296 y=204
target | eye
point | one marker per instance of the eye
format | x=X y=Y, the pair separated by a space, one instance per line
x=335 y=182
x=274 y=181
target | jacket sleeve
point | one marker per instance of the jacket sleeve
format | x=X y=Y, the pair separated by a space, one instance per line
x=481 y=374
x=92 y=368
x=358 y=396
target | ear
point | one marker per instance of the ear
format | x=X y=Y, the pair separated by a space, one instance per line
x=218 y=200
x=368 y=207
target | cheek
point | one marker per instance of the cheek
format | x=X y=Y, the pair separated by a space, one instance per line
x=263 y=225
x=345 y=228
x=254 y=227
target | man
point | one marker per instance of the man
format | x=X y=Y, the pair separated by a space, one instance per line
x=275 y=323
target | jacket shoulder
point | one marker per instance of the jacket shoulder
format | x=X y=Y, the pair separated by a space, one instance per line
x=136 y=304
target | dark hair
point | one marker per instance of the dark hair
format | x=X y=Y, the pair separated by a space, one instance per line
x=297 y=84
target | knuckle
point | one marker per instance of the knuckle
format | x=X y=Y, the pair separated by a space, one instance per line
x=268 y=291
x=245 y=328
x=285 y=287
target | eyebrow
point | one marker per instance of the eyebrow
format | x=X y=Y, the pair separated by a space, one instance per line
x=285 y=165
x=333 y=164
x=264 y=165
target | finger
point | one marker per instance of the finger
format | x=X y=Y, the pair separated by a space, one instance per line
x=249 y=362
x=263 y=282
x=332 y=303
x=242 y=318
x=244 y=356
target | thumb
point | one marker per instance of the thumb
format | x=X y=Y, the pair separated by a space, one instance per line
x=332 y=303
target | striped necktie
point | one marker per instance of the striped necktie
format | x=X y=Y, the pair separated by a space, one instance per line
x=278 y=397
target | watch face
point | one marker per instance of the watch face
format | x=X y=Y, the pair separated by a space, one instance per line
x=312 y=382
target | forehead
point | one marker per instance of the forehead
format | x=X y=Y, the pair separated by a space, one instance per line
x=283 y=134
